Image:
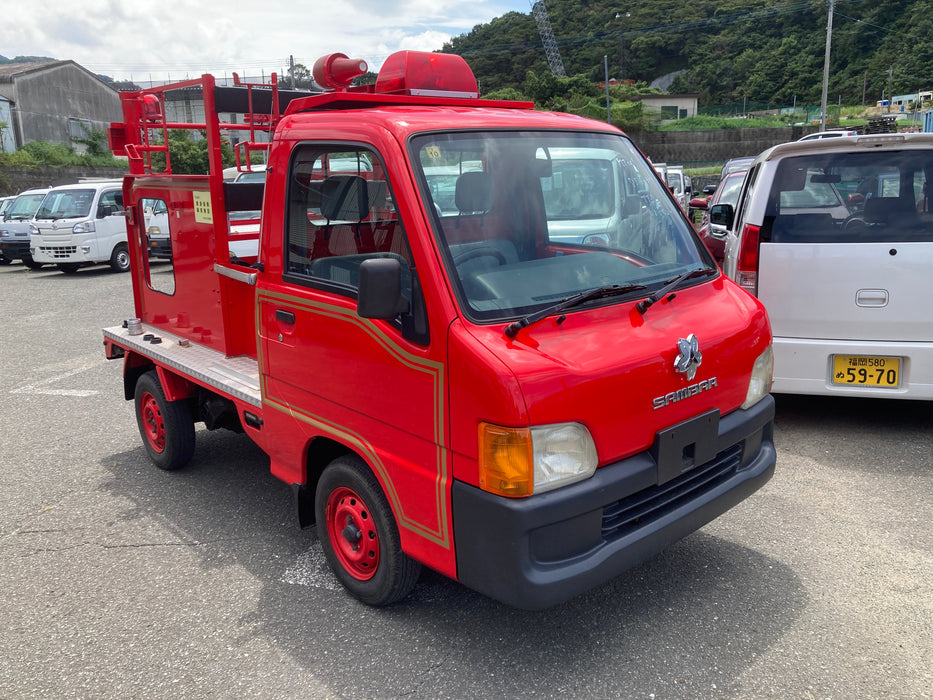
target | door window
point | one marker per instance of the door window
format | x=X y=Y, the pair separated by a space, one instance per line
x=341 y=212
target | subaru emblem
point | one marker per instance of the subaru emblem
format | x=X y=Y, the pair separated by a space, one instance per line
x=689 y=358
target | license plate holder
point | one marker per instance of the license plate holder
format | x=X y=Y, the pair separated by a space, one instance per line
x=874 y=371
x=684 y=446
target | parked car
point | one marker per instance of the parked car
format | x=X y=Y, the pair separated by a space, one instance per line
x=734 y=164
x=714 y=235
x=831 y=134
x=79 y=225
x=14 y=228
x=157 y=233
x=835 y=236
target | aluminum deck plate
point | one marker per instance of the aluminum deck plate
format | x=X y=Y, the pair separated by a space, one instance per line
x=233 y=376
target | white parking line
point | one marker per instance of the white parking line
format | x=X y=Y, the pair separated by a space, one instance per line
x=35 y=387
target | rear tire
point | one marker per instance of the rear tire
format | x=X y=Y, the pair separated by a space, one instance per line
x=5 y=261
x=166 y=427
x=120 y=258
x=68 y=268
x=359 y=535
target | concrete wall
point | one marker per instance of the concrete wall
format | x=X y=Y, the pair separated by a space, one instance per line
x=46 y=99
x=694 y=148
x=15 y=180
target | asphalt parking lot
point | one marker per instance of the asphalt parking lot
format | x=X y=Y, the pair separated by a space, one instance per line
x=120 y=580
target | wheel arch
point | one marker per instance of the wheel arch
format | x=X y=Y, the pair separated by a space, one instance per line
x=320 y=452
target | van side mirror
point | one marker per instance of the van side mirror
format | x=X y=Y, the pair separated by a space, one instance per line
x=380 y=292
x=722 y=215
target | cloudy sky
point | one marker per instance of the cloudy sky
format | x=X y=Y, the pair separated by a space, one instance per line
x=136 y=40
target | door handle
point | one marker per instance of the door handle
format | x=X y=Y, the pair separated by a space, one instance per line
x=285 y=316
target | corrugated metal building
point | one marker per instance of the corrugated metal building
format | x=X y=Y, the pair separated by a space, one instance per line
x=56 y=101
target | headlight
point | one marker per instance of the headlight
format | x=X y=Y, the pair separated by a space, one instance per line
x=524 y=461
x=33 y=230
x=155 y=231
x=760 y=383
x=85 y=227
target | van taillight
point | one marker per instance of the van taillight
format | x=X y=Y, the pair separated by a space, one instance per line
x=747 y=268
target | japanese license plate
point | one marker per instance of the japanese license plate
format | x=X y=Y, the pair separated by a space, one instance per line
x=866 y=370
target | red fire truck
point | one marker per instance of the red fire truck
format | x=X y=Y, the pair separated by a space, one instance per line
x=440 y=381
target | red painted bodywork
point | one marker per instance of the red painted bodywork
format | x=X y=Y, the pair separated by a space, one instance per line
x=410 y=411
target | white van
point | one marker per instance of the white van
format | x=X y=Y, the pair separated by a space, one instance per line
x=14 y=227
x=835 y=236
x=593 y=197
x=79 y=225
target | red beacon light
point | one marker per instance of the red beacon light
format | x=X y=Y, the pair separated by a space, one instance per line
x=335 y=71
x=426 y=74
x=151 y=108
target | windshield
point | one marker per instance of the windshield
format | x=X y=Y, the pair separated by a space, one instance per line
x=851 y=197
x=24 y=207
x=66 y=204
x=527 y=219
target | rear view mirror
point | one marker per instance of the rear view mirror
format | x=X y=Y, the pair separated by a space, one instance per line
x=699 y=203
x=380 y=293
x=722 y=215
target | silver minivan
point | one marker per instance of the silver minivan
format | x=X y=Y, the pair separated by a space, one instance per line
x=835 y=237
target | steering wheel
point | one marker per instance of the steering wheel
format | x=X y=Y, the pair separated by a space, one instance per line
x=481 y=252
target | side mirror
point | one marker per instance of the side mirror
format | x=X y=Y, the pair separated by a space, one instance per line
x=722 y=215
x=105 y=211
x=380 y=293
x=699 y=203
x=709 y=189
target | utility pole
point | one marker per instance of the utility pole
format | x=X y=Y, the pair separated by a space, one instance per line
x=606 y=69
x=829 y=39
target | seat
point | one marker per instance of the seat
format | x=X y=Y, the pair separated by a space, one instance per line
x=474 y=193
x=344 y=199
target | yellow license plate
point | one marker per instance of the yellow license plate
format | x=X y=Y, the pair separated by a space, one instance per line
x=866 y=370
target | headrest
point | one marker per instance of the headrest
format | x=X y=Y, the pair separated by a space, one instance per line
x=474 y=193
x=344 y=197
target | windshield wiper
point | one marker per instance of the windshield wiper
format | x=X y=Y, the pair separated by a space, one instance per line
x=513 y=328
x=671 y=285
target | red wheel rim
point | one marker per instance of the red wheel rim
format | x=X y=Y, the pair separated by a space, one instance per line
x=153 y=425
x=352 y=533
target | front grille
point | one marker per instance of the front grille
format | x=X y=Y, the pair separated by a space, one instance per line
x=59 y=251
x=630 y=513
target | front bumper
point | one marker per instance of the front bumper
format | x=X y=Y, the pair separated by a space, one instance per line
x=160 y=248
x=61 y=253
x=540 y=551
x=14 y=249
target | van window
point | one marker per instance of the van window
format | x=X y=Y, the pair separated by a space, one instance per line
x=66 y=204
x=851 y=197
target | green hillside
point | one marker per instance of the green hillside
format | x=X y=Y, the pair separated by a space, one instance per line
x=728 y=50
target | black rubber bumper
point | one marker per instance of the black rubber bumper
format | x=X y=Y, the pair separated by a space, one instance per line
x=536 y=552
x=14 y=249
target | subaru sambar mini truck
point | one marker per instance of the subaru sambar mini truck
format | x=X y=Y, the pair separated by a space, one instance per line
x=441 y=382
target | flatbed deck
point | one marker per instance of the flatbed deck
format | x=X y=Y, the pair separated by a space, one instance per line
x=234 y=376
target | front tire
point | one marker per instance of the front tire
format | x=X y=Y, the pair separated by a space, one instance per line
x=166 y=427
x=120 y=258
x=68 y=268
x=359 y=535
x=31 y=264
